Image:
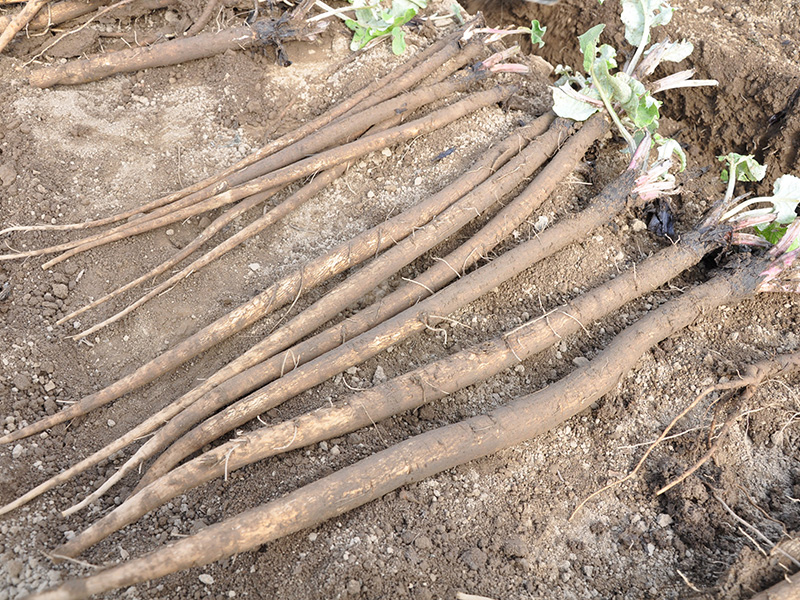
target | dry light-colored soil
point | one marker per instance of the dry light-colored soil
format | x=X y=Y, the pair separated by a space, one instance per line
x=497 y=527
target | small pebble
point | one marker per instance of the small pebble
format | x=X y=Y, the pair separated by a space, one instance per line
x=423 y=543
x=21 y=381
x=353 y=587
x=170 y=232
x=638 y=225
x=206 y=579
x=8 y=174
x=379 y=376
x=14 y=568
x=17 y=451
x=664 y=520
x=418 y=181
x=580 y=361
x=254 y=267
x=60 y=290
x=111 y=422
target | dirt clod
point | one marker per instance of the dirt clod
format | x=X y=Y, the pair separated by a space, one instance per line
x=474 y=558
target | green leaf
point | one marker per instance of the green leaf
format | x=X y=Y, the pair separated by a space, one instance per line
x=398 y=41
x=373 y=21
x=360 y=35
x=600 y=69
x=456 y=8
x=537 y=33
x=772 y=232
x=603 y=62
x=642 y=108
x=588 y=43
x=636 y=12
x=747 y=168
x=403 y=11
x=621 y=84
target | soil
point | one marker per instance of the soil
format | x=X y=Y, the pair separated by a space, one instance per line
x=498 y=527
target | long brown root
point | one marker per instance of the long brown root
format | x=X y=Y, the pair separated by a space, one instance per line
x=423 y=455
x=403 y=77
x=248 y=313
x=351 y=253
x=424 y=311
x=407 y=392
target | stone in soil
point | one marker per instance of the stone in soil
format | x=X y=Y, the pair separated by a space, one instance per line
x=474 y=558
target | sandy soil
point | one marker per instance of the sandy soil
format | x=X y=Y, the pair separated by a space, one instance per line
x=497 y=527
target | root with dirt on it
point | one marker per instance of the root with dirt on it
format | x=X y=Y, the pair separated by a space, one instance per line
x=262 y=33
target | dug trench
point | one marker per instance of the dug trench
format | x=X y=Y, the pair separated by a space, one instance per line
x=497 y=527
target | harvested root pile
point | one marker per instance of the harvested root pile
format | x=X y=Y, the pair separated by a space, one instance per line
x=469 y=220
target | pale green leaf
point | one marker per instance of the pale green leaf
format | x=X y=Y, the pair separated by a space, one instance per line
x=747 y=168
x=588 y=43
x=567 y=106
x=398 y=41
x=677 y=51
x=667 y=147
x=659 y=12
x=537 y=33
x=785 y=197
x=456 y=8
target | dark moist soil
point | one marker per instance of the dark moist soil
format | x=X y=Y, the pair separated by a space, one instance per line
x=497 y=527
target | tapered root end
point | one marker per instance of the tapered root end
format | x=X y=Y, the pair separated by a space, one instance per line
x=41 y=425
x=11 y=437
x=28 y=431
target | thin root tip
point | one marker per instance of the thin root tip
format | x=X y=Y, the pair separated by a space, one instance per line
x=61 y=554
